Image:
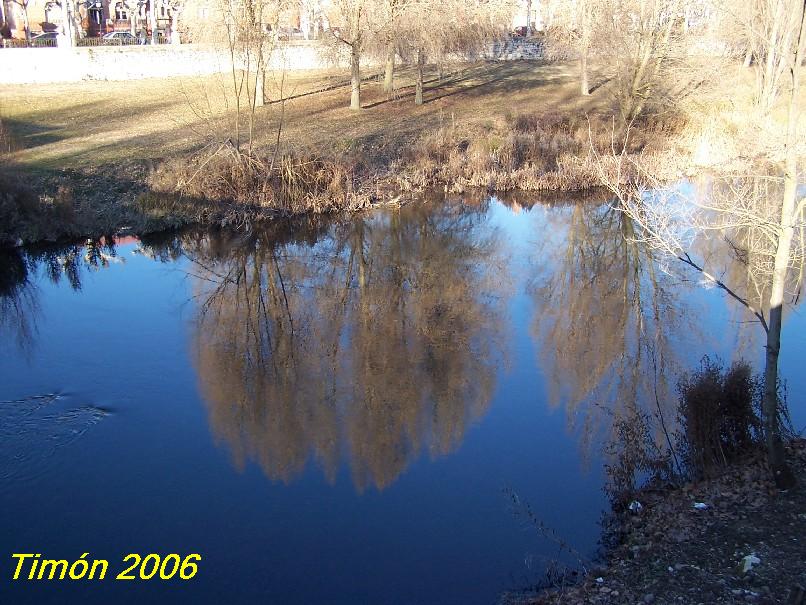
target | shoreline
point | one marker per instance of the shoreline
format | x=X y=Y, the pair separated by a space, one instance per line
x=673 y=552
x=501 y=127
x=238 y=190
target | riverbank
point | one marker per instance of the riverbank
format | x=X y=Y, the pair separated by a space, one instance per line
x=91 y=158
x=88 y=159
x=673 y=552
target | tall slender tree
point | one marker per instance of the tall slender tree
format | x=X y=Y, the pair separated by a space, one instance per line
x=769 y=220
x=354 y=15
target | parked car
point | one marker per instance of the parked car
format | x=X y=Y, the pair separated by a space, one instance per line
x=290 y=33
x=119 y=38
x=45 y=39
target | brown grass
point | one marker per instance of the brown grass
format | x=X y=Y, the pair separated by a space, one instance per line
x=111 y=143
x=88 y=124
x=717 y=414
x=24 y=214
x=230 y=187
x=531 y=152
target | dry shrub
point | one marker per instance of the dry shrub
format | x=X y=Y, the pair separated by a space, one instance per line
x=717 y=415
x=719 y=424
x=28 y=216
x=525 y=123
x=538 y=152
x=230 y=187
x=533 y=152
x=636 y=457
x=7 y=143
x=24 y=213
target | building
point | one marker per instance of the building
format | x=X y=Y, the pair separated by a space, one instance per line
x=93 y=17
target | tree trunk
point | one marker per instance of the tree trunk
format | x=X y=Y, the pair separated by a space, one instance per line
x=770 y=404
x=26 y=24
x=68 y=37
x=772 y=429
x=528 y=17
x=748 y=58
x=133 y=21
x=355 y=59
x=784 y=478
x=584 y=88
x=175 y=38
x=152 y=17
x=768 y=89
x=260 y=85
x=389 y=71
x=418 y=95
x=355 y=76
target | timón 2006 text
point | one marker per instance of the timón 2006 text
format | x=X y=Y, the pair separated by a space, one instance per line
x=139 y=568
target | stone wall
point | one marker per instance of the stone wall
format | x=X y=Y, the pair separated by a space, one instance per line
x=52 y=65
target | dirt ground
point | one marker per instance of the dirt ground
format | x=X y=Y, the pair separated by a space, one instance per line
x=91 y=124
x=672 y=553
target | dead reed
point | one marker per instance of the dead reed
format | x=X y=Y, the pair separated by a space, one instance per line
x=229 y=187
x=534 y=152
x=26 y=215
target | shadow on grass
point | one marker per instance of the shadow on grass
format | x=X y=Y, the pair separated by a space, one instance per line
x=27 y=135
x=53 y=125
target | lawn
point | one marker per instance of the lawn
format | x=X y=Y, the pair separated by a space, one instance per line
x=88 y=125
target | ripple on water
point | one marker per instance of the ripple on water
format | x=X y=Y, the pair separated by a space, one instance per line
x=34 y=429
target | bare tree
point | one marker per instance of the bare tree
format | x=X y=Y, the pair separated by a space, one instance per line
x=243 y=31
x=602 y=273
x=391 y=16
x=574 y=23
x=152 y=21
x=23 y=4
x=176 y=7
x=348 y=363
x=765 y=224
x=767 y=28
x=68 y=28
x=471 y=29
x=311 y=18
x=422 y=39
x=791 y=215
x=354 y=15
x=649 y=44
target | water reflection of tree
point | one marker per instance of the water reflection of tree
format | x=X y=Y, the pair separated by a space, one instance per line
x=375 y=344
x=19 y=304
x=740 y=251
x=607 y=319
x=19 y=295
x=740 y=247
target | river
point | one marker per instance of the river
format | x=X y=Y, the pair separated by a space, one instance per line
x=380 y=409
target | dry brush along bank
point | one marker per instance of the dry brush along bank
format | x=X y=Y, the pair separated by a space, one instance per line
x=699 y=519
x=539 y=152
x=743 y=543
x=221 y=184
